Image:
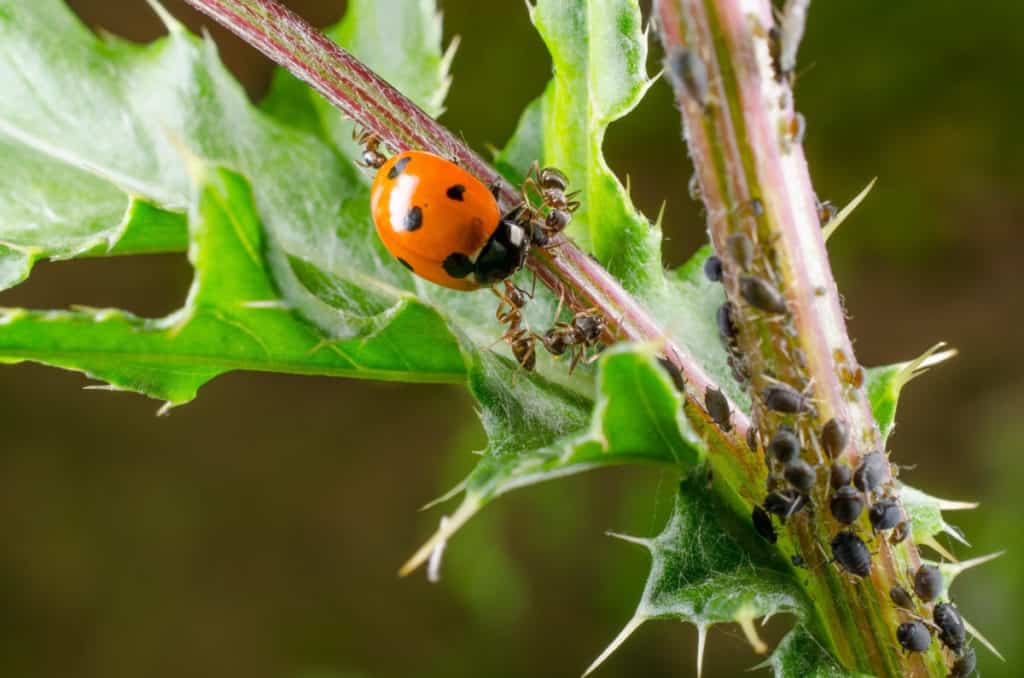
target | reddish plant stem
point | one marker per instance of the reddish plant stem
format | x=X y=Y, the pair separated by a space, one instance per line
x=376 y=106
x=743 y=136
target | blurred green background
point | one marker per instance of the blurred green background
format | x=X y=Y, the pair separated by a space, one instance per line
x=256 y=532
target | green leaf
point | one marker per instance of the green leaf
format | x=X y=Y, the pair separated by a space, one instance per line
x=800 y=654
x=108 y=120
x=233 y=319
x=599 y=52
x=708 y=567
x=399 y=39
x=885 y=383
x=540 y=432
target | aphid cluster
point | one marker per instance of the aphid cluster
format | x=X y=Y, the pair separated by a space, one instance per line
x=917 y=633
x=444 y=225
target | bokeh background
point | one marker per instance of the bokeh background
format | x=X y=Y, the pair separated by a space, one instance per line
x=256 y=531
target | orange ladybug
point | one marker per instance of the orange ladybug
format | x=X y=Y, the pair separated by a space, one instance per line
x=442 y=223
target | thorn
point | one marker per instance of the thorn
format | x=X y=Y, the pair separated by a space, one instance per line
x=745 y=618
x=469 y=506
x=838 y=219
x=921 y=364
x=931 y=542
x=702 y=639
x=983 y=640
x=165 y=409
x=170 y=23
x=951 y=571
x=446 y=496
x=631 y=626
x=646 y=543
x=949 y=505
x=661 y=215
x=955 y=534
x=434 y=564
x=915 y=497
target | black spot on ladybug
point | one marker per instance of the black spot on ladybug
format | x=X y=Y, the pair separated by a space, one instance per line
x=457 y=265
x=413 y=219
x=455 y=192
x=405 y=263
x=913 y=636
x=398 y=167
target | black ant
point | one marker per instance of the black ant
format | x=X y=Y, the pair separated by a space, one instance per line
x=576 y=336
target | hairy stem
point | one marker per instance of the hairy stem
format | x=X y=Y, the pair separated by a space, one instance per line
x=376 y=106
x=743 y=134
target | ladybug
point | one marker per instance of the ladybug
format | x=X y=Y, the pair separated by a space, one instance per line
x=444 y=224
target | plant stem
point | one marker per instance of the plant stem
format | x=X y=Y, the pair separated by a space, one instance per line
x=744 y=138
x=376 y=106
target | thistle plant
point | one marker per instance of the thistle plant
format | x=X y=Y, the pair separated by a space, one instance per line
x=713 y=367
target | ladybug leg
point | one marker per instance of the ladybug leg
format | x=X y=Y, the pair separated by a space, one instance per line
x=495 y=188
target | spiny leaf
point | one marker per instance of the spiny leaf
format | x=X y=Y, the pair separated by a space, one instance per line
x=599 y=51
x=539 y=432
x=886 y=383
x=233 y=319
x=108 y=120
x=709 y=568
x=800 y=654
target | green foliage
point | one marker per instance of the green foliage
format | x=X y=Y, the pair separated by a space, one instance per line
x=112 y=148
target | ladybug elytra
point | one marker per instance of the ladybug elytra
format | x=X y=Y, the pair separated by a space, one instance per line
x=444 y=224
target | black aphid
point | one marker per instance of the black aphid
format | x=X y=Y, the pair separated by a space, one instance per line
x=840 y=475
x=885 y=515
x=760 y=294
x=800 y=475
x=851 y=553
x=951 y=626
x=900 y=597
x=674 y=372
x=752 y=438
x=913 y=636
x=741 y=250
x=834 y=436
x=964 y=665
x=763 y=525
x=784 y=445
x=785 y=399
x=798 y=560
x=689 y=75
x=846 y=505
x=718 y=408
x=928 y=582
x=713 y=268
x=783 y=503
x=726 y=325
x=870 y=472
